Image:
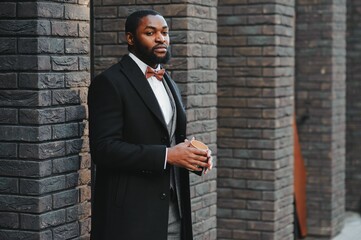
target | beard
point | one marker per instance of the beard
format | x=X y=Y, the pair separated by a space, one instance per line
x=148 y=56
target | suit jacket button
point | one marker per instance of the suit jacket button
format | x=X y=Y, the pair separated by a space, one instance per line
x=163 y=196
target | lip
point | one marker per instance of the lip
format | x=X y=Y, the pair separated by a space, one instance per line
x=160 y=49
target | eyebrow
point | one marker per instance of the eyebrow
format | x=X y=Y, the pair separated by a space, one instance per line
x=154 y=28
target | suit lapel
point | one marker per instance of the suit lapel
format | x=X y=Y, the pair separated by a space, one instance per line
x=139 y=82
x=176 y=96
x=181 y=116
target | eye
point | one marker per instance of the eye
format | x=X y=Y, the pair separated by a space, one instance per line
x=165 y=33
x=149 y=33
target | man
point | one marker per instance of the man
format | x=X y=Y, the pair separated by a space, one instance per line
x=138 y=142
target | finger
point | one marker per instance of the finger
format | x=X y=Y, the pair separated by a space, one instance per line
x=210 y=162
x=187 y=142
x=199 y=152
x=200 y=164
x=209 y=153
x=200 y=158
x=194 y=168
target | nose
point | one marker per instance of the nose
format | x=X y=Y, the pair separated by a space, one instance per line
x=160 y=38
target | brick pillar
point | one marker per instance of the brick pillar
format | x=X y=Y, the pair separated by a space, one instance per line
x=353 y=110
x=255 y=108
x=44 y=161
x=193 y=33
x=320 y=102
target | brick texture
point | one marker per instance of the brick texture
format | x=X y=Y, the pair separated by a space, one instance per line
x=320 y=101
x=44 y=188
x=353 y=110
x=193 y=33
x=255 y=108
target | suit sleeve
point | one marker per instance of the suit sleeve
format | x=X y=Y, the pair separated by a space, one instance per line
x=106 y=133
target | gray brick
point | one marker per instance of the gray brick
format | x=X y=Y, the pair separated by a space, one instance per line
x=40 y=45
x=79 y=79
x=64 y=63
x=25 y=62
x=40 y=9
x=84 y=63
x=24 y=27
x=75 y=113
x=7 y=45
x=14 y=203
x=60 y=28
x=42 y=150
x=61 y=97
x=105 y=12
x=28 y=235
x=66 y=198
x=28 y=134
x=84 y=30
x=8 y=116
x=75 y=12
x=65 y=131
x=67 y=164
x=39 y=187
x=78 y=45
x=74 y=146
x=72 y=180
x=67 y=231
x=106 y=38
x=41 y=80
x=42 y=221
x=9 y=220
x=25 y=168
x=79 y=211
x=7 y=10
x=8 y=150
x=8 y=185
x=42 y=116
x=33 y=63
x=27 y=9
x=9 y=62
x=8 y=80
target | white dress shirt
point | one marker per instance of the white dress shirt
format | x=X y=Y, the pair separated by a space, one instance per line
x=160 y=93
x=158 y=90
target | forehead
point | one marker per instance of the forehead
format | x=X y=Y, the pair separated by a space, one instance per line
x=156 y=21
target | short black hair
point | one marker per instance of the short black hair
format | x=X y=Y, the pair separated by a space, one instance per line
x=134 y=18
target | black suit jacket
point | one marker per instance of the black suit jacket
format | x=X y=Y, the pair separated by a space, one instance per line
x=128 y=138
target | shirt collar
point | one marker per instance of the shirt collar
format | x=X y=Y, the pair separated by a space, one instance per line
x=141 y=64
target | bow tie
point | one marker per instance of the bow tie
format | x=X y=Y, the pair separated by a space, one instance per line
x=151 y=72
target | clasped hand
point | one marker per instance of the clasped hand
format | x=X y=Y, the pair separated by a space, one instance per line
x=185 y=156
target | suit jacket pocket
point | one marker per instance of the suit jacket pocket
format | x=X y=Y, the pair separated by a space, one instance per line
x=121 y=186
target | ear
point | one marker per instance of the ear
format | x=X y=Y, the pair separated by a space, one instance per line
x=130 y=38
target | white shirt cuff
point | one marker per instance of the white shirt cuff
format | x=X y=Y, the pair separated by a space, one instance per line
x=166 y=156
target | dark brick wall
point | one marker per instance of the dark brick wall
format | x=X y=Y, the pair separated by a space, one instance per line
x=45 y=72
x=255 y=108
x=320 y=95
x=44 y=160
x=353 y=110
x=193 y=32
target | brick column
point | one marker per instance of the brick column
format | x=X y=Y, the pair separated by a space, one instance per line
x=193 y=32
x=255 y=108
x=353 y=110
x=44 y=161
x=320 y=102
